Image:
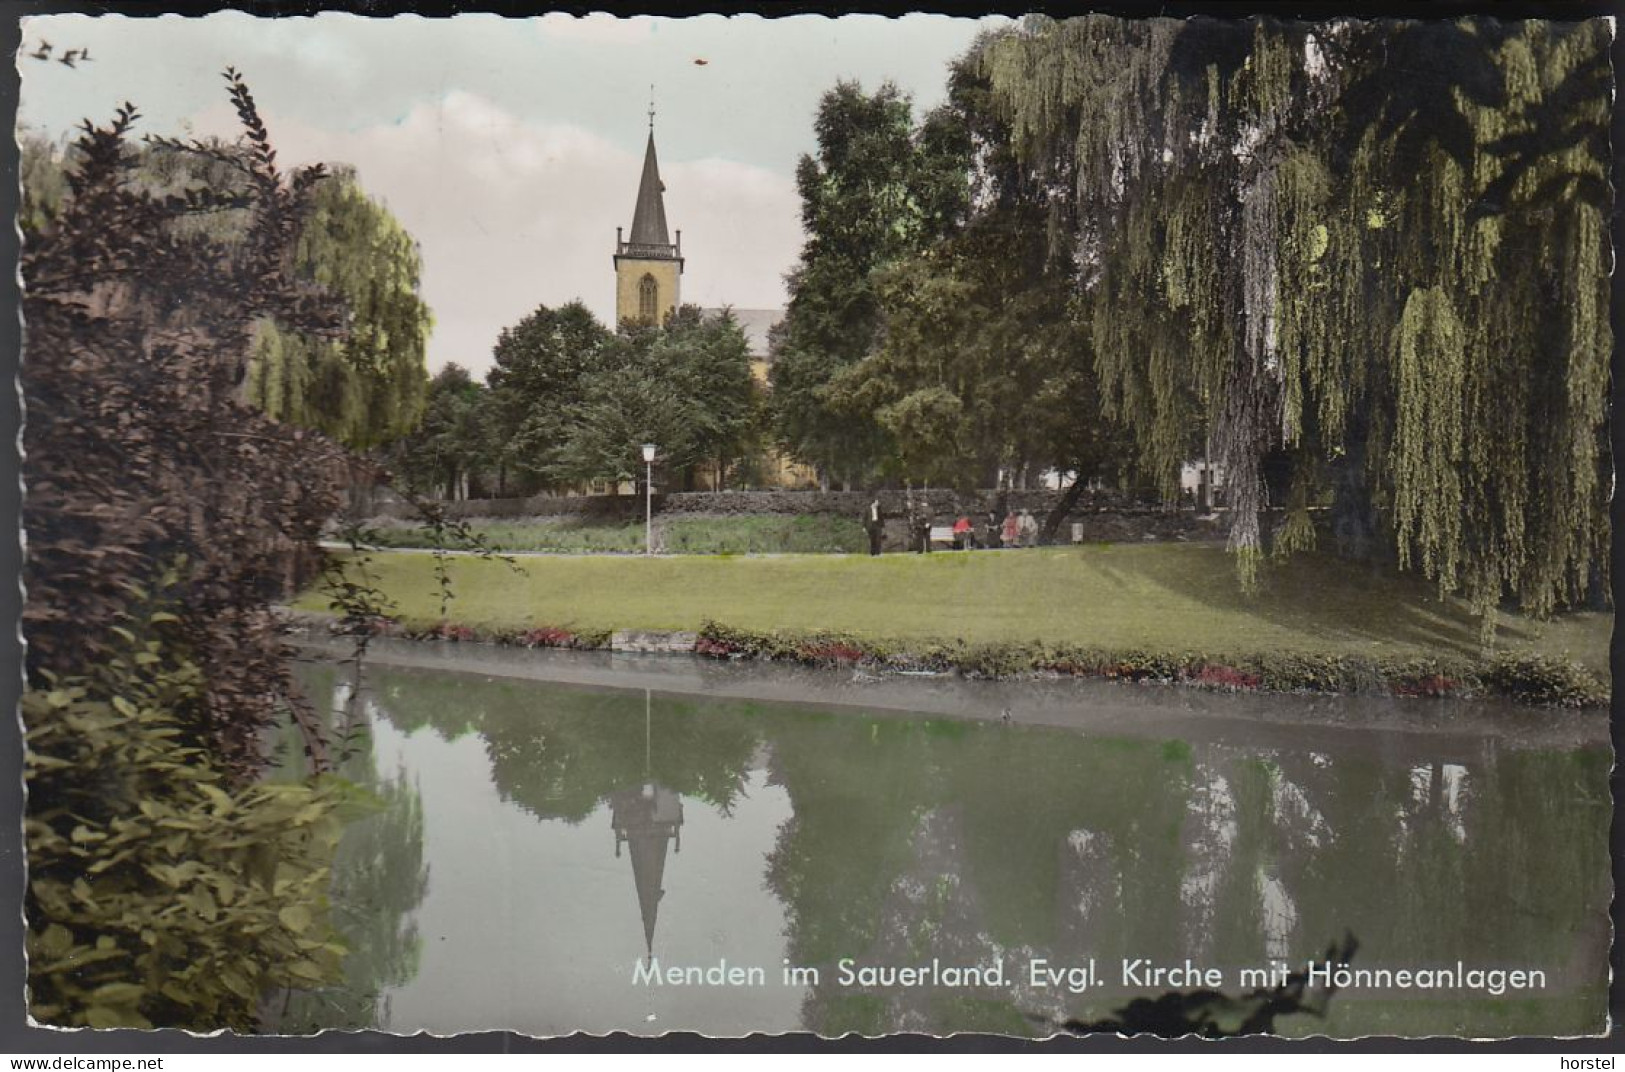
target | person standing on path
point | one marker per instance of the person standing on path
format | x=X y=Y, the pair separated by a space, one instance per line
x=874 y=523
x=1028 y=526
x=1011 y=531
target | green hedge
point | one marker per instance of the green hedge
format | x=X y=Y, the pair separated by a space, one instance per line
x=1541 y=679
x=676 y=535
x=1521 y=676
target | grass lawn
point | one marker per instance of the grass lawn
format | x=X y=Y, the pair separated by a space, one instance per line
x=1163 y=597
x=681 y=535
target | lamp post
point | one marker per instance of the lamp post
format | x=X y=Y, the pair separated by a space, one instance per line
x=648 y=499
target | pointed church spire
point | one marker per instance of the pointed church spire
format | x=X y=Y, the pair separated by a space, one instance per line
x=648 y=264
x=649 y=217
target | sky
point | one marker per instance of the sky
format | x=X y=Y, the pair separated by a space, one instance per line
x=511 y=148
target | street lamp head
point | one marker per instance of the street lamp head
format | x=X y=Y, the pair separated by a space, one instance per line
x=649 y=452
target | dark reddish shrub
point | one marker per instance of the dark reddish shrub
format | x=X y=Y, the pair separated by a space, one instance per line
x=830 y=651
x=547 y=636
x=715 y=647
x=140 y=455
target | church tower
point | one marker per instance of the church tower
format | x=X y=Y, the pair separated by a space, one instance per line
x=649 y=267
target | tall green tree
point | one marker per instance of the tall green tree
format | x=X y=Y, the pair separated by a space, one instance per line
x=983 y=374
x=876 y=191
x=454 y=443
x=685 y=387
x=982 y=369
x=572 y=402
x=539 y=379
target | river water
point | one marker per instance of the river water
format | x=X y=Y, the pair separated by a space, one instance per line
x=551 y=829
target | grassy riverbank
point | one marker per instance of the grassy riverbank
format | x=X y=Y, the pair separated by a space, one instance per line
x=1165 y=597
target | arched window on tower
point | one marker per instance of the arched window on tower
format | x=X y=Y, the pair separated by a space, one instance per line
x=648 y=299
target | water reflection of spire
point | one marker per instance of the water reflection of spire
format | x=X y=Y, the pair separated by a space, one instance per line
x=646 y=818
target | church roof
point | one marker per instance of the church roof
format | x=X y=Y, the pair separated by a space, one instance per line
x=649 y=217
x=756 y=323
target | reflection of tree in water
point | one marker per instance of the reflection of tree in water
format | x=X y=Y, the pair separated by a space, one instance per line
x=1500 y=857
x=560 y=753
x=919 y=839
x=911 y=839
x=1492 y=856
x=1114 y=803
x=379 y=880
x=413 y=702
x=856 y=789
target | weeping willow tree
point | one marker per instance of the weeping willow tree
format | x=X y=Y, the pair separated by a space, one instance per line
x=1352 y=285
x=369 y=389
